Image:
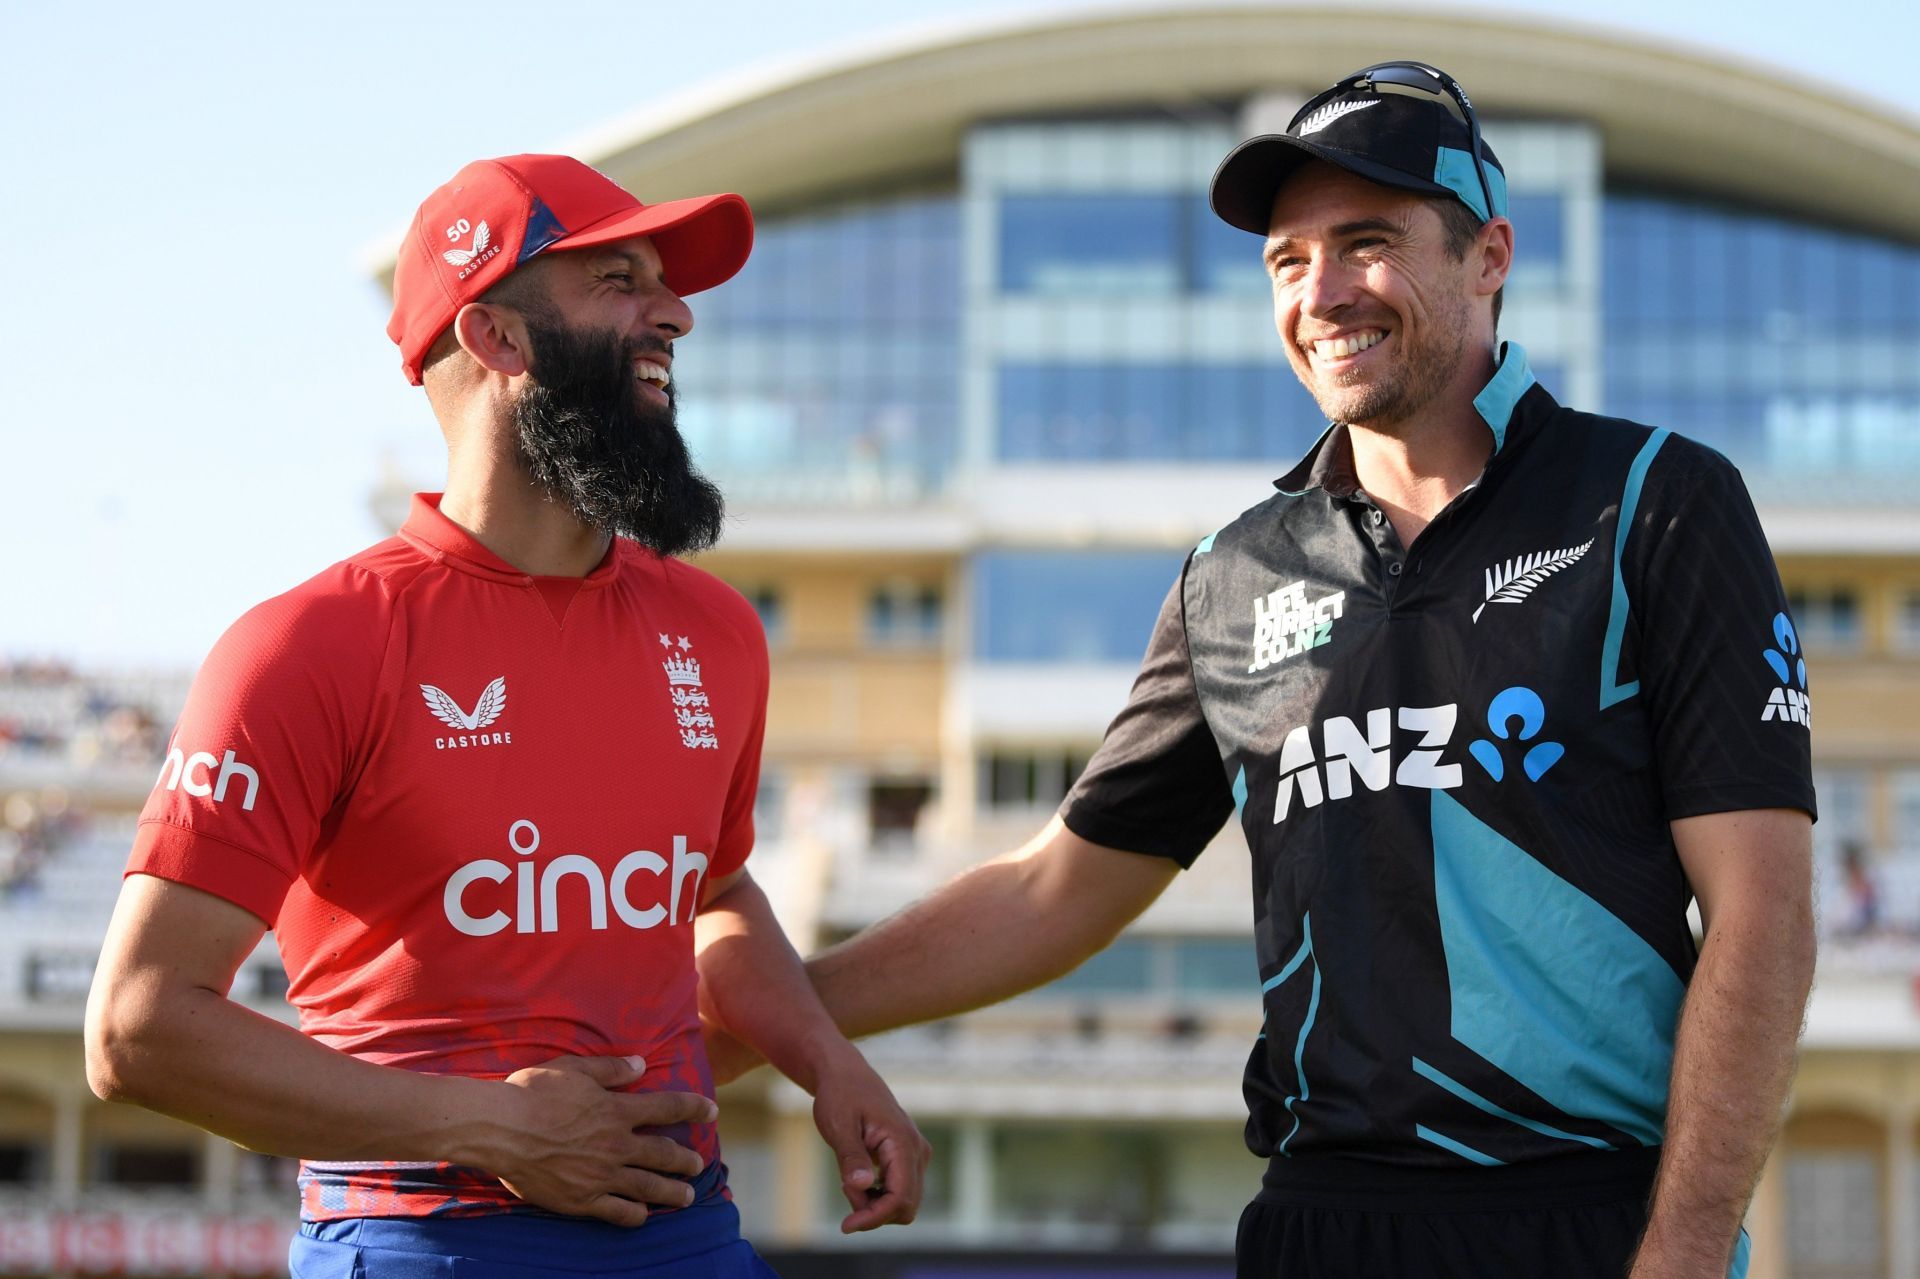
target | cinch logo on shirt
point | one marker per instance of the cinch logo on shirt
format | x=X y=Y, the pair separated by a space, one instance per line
x=1285 y=624
x=178 y=773
x=536 y=892
x=1787 y=703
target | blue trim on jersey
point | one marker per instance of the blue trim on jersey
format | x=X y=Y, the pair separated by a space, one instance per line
x=1313 y=1009
x=1503 y=390
x=1473 y=1098
x=1457 y=1147
x=1293 y=965
x=1206 y=543
x=1240 y=791
x=1549 y=985
x=1455 y=170
x=1612 y=691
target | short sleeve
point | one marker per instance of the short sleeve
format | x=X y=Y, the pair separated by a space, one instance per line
x=1719 y=659
x=1156 y=785
x=736 y=821
x=262 y=750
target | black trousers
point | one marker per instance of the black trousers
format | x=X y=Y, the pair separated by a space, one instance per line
x=1579 y=1217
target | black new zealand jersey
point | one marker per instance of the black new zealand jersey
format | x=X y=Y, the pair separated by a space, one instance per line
x=1455 y=763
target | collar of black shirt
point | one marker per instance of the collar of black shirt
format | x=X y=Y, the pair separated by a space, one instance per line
x=1512 y=404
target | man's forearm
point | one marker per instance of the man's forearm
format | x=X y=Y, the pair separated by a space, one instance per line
x=753 y=987
x=264 y=1085
x=1004 y=927
x=1733 y=1064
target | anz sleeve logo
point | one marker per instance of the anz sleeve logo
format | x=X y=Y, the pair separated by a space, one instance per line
x=1787 y=703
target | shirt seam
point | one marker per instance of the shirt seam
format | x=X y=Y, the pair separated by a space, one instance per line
x=258 y=856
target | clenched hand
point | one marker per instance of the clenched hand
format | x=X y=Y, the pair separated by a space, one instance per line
x=566 y=1140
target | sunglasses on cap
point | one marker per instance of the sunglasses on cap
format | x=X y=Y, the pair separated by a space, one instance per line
x=1417 y=77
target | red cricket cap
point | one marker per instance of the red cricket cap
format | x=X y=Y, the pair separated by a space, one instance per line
x=472 y=233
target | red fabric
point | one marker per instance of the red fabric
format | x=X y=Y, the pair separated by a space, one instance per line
x=317 y=787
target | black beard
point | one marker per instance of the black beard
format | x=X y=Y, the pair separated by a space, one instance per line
x=591 y=443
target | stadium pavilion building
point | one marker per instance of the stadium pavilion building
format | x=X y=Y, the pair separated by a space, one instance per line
x=993 y=369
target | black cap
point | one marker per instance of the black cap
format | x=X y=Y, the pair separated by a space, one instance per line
x=1408 y=140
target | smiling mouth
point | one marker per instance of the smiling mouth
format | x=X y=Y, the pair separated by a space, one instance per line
x=1346 y=346
x=652 y=374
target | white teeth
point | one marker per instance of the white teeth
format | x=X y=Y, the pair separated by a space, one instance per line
x=1340 y=348
x=647 y=371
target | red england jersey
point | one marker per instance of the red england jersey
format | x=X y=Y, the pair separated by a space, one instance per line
x=478 y=809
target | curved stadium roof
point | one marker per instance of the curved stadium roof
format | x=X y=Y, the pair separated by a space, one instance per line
x=1670 y=115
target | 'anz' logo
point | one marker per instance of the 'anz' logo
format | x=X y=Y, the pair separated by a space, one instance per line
x=1347 y=752
x=1786 y=703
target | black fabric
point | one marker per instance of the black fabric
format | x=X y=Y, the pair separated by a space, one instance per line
x=1456 y=764
x=1586 y=1241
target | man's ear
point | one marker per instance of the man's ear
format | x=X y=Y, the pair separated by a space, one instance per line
x=1495 y=252
x=495 y=336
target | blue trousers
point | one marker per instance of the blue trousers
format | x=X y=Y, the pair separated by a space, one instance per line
x=702 y=1242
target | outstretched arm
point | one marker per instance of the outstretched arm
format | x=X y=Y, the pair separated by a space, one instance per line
x=1003 y=927
x=753 y=987
x=1734 y=1056
x=162 y=1033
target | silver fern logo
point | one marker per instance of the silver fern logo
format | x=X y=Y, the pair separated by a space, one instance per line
x=492 y=702
x=1513 y=581
x=1333 y=111
x=460 y=257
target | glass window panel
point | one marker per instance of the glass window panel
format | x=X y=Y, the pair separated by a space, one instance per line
x=1216 y=965
x=1076 y=245
x=1539 y=230
x=1787 y=346
x=1906 y=813
x=1906 y=626
x=1225 y=258
x=1833 y=1213
x=1124 y=967
x=1068 y=606
x=1210 y=412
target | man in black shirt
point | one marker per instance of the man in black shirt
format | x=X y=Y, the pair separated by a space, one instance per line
x=1496 y=689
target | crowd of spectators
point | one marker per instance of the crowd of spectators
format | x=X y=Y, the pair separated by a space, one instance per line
x=34 y=826
x=58 y=728
x=48 y=710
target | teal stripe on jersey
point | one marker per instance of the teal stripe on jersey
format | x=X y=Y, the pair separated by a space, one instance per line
x=1300 y=1047
x=1473 y=1098
x=1501 y=396
x=1612 y=691
x=1457 y=1147
x=1549 y=985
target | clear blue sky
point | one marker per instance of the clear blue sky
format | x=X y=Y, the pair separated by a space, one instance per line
x=200 y=391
